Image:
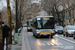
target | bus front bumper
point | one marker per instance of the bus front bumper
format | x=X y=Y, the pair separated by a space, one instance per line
x=52 y=34
x=29 y=29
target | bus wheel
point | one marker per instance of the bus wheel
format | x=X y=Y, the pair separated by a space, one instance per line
x=66 y=35
x=74 y=38
x=27 y=30
x=51 y=36
x=33 y=35
x=37 y=36
x=63 y=34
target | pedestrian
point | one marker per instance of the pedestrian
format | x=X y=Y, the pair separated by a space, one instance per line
x=2 y=24
x=64 y=25
x=5 y=31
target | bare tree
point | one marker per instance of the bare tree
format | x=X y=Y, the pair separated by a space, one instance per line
x=68 y=11
x=23 y=6
x=51 y=6
x=4 y=15
x=9 y=20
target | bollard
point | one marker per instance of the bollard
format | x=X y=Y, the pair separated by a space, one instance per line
x=17 y=34
x=16 y=37
x=74 y=36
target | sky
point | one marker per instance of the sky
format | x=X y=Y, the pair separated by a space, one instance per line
x=3 y=3
x=35 y=1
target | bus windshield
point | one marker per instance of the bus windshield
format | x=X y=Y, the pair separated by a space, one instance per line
x=45 y=24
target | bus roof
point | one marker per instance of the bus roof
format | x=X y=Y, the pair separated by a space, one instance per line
x=43 y=16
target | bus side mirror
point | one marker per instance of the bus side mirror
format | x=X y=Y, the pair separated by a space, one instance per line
x=31 y=24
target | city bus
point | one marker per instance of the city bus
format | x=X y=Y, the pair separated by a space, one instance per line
x=29 y=25
x=43 y=26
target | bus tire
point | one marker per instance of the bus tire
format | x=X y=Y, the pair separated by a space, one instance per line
x=63 y=34
x=33 y=35
x=27 y=30
x=66 y=35
x=36 y=36
x=73 y=37
x=51 y=36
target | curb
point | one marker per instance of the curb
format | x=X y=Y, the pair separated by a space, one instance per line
x=23 y=42
x=27 y=43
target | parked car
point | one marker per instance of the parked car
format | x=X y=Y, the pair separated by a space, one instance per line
x=59 y=29
x=69 y=30
x=74 y=36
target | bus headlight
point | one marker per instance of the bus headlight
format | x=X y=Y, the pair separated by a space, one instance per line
x=28 y=27
x=38 y=31
x=56 y=30
x=52 y=31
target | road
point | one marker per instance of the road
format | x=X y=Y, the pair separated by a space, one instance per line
x=58 y=42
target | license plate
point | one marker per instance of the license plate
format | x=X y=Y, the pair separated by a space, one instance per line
x=30 y=27
x=45 y=32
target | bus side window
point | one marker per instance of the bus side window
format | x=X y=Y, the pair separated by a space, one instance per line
x=33 y=24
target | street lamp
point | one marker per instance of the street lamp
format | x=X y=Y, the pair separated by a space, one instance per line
x=20 y=14
x=16 y=17
x=16 y=33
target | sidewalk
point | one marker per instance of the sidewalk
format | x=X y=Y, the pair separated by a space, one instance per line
x=14 y=46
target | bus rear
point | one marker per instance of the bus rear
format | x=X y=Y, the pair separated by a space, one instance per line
x=29 y=25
